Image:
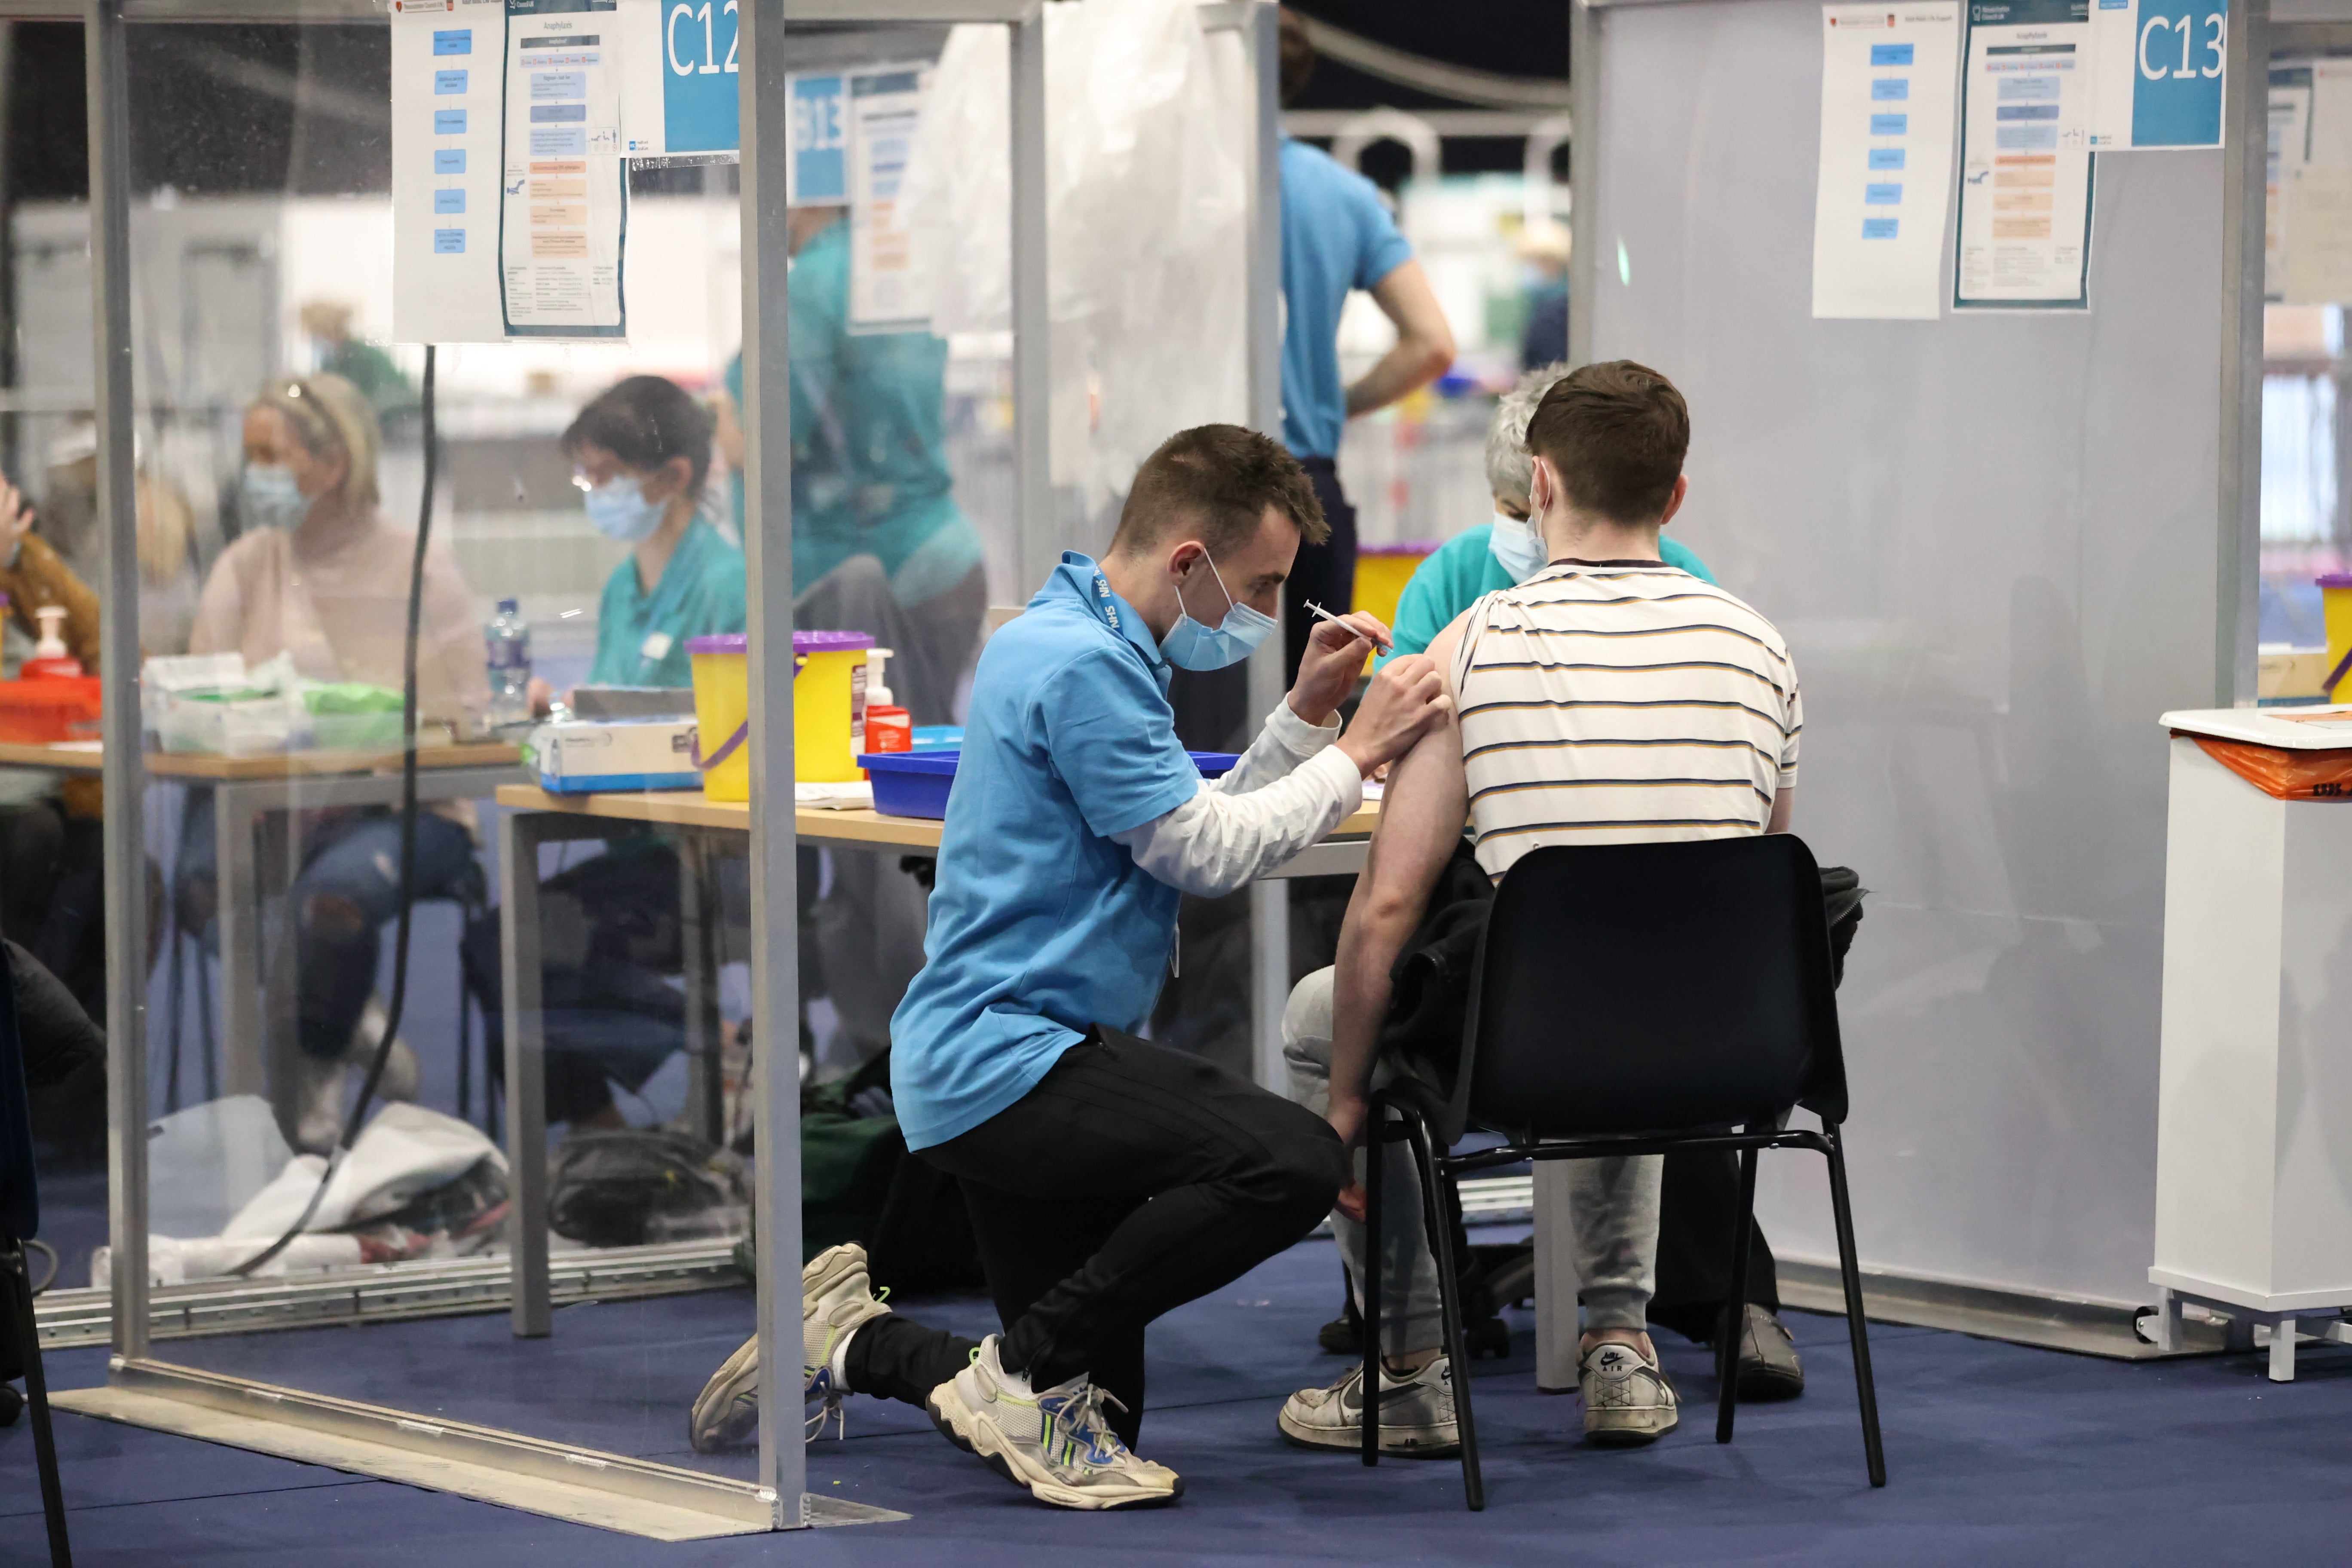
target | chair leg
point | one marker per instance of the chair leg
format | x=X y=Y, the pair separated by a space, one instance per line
x=1449 y=1294
x=1376 y=1124
x=208 y=1041
x=465 y=1055
x=173 y=990
x=1735 y=1307
x=37 y=1398
x=1856 y=1326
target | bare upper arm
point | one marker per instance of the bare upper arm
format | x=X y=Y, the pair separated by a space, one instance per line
x=1423 y=811
x=1784 y=806
x=1411 y=305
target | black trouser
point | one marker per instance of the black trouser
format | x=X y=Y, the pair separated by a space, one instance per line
x=1131 y=1180
x=1325 y=572
x=1698 y=1211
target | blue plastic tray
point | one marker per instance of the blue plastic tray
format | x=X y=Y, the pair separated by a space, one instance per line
x=916 y=783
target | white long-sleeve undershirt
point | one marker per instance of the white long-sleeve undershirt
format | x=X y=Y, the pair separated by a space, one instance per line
x=1289 y=789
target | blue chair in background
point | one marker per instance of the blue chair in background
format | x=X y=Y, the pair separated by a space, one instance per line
x=20 y=1218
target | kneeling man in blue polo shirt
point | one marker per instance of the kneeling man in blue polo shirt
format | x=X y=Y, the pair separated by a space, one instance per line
x=1109 y=1180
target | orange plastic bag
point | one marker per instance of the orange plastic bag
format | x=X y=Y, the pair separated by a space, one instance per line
x=2285 y=775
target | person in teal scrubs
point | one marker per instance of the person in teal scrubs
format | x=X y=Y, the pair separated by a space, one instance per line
x=879 y=546
x=1488 y=557
x=643 y=451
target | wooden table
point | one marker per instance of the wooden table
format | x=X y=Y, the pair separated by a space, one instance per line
x=247 y=789
x=534 y=817
x=1342 y=854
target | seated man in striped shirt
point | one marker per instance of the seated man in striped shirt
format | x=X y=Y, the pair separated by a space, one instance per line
x=1608 y=699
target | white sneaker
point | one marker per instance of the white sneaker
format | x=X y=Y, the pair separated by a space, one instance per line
x=1055 y=1443
x=1627 y=1399
x=836 y=1299
x=1416 y=1413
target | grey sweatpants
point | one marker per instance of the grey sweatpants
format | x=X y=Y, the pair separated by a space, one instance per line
x=1614 y=1205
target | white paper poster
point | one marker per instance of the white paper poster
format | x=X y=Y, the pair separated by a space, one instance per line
x=448 y=61
x=2025 y=157
x=886 y=293
x=2318 y=269
x=1887 y=82
x=2290 y=142
x=564 y=197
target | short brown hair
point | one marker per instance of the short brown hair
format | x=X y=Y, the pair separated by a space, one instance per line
x=1219 y=480
x=1294 y=54
x=1617 y=433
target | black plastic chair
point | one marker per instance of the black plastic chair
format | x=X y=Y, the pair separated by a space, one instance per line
x=20 y=1219
x=1635 y=999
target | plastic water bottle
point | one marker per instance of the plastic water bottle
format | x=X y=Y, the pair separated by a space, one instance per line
x=506 y=640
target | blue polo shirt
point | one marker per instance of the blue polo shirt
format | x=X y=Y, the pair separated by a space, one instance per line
x=1039 y=925
x=1335 y=235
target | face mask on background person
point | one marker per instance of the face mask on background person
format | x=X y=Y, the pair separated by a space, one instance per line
x=267 y=497
x=1518 y=547
x=1189 y=645
x=618 y=509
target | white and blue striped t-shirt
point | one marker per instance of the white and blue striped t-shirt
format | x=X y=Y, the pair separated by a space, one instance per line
x=1617 y=703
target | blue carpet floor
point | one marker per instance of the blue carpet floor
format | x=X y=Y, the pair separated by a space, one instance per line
x=1996 y=1454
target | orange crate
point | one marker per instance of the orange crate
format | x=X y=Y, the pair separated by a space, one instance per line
x=55 y=708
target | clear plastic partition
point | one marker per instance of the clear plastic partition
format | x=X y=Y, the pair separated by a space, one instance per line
x=2307 y=502
x=336 y=1202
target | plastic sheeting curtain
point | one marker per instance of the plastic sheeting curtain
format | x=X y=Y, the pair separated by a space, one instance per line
x=1149 y=120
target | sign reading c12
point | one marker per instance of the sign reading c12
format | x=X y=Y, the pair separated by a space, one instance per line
x=699 y=70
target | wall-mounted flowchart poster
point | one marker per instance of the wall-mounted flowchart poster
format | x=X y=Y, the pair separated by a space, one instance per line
x=2025 y=157
x=448 y=66
x=1889 y=75
x=2160 y=68
x=563 y=196
x=2290 y=149
x=885 y=283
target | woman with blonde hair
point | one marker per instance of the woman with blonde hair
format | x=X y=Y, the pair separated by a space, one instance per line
x=320 y=576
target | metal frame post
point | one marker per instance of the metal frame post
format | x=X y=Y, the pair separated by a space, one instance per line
x=775 y=942
x=1037 y=537
x=1583 y=177
x=125 y=775
x=2245 y=135
x=1269 y=898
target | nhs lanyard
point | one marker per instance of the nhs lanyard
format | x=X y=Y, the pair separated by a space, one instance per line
x=656 y=644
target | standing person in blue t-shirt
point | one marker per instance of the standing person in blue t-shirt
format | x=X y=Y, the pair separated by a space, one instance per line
x=1109 y=1180
x=1337 y=237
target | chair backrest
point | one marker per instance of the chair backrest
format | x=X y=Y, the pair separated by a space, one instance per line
x=1647 y=988
x=20 y=1199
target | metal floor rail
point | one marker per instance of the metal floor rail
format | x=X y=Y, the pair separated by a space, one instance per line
x=387 y=1292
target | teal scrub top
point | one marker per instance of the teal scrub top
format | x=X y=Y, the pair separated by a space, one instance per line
x=870 y=472
x=1337 y=235
x=1464 y=570
x=700 y=594
x=1040 y=924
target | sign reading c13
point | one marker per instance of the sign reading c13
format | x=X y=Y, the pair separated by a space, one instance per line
x=2161 y=65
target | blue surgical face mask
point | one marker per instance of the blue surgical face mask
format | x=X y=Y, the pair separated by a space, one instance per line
x=267 y=497
x=1189 y=645
x=618 y=509
x=1518 y=547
